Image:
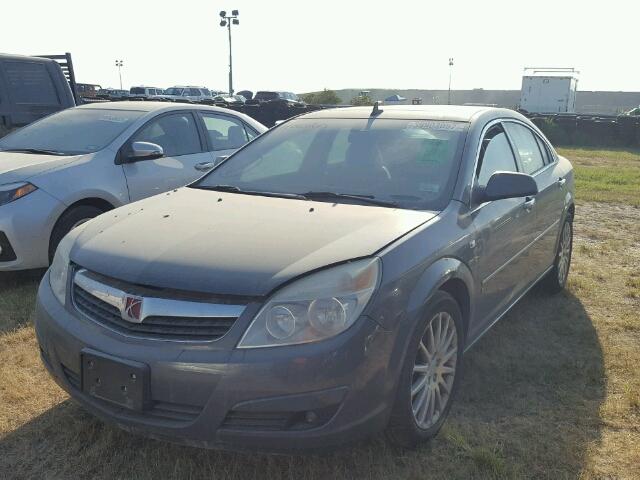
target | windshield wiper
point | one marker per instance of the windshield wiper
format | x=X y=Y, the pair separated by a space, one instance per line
x=39 y=151
x=349 y=196
x=234 y=189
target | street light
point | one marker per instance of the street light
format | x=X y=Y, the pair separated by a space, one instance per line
x=119 y=64
x=450 y=65
x=227 y=21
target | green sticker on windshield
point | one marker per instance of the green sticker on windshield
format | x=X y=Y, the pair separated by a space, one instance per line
x=433 y=151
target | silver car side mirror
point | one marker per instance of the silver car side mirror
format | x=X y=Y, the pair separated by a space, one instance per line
x=145 y=151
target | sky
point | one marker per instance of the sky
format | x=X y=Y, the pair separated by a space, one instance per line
x=304 y=46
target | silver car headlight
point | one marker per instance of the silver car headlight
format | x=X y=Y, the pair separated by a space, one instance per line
x=59 y=269
x=318 y=306
x=13 y=191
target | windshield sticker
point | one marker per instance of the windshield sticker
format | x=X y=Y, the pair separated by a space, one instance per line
x=437 y=125
x=113 y=119
x=429 y=187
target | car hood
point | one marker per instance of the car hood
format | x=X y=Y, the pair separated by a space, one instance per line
x=16 y=167
x=233 y=244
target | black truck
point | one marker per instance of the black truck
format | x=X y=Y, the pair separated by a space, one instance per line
x=33 y=87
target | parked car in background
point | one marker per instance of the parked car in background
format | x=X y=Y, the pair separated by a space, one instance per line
x=112 y=94
x=247 y=94
x=88 y=90
x=188 y=94
x=146 y=93
x=267 y=96
x=318 y=286
x=76 y=164
x=30 y=88
x=229 y=99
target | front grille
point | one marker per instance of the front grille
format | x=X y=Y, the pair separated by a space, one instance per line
x=156 y=327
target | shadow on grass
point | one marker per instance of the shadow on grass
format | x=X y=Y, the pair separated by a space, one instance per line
x=527 y=408
x=17 y=297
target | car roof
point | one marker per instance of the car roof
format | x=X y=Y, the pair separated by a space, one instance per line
x=431 y=112
x=150 y=106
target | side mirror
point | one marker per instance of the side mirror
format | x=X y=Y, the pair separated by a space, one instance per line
x=145 y=151
x=506 y=185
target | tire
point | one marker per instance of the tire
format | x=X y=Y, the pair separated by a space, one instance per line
x=408 y=425
x=68 y=221
x=556 y=279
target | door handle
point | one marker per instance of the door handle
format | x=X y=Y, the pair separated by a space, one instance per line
x=529 y=202
x=204 y=166
x=561 y=182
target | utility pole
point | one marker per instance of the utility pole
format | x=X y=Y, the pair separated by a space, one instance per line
x=450 y=68
x=227 y=21
x=119 y=64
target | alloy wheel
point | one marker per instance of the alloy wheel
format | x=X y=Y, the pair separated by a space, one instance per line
x=564 y=254
x=434 y=370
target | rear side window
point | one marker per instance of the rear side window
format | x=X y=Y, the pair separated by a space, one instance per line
x=495 y=155
x=30 y=83
x=526 y=146
x=224 y=132
x=546 y=156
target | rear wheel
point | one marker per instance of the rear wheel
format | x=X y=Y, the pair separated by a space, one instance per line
x=556 y=279
x=68 y=221
x=430 y=374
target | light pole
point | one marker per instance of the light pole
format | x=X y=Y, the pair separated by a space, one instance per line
x=227 y=21
x=119 y=64
x=449 y=96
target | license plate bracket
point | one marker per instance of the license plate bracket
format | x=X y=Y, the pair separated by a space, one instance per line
x=115 y=380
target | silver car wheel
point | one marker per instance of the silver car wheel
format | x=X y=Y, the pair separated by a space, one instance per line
x=564 y=254
x=434 y=370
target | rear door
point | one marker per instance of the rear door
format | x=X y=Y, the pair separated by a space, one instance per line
x=536 y=159
x=224 y=134
x=504 y=230
x=179 y=136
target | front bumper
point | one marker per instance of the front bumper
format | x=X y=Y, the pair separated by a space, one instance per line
x=269 y=399
x=27 y=224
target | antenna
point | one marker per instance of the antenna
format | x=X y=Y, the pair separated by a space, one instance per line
x=376 y=109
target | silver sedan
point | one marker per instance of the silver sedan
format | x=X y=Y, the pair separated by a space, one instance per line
x=76 y=164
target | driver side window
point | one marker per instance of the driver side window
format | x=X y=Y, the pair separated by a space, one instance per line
x=495 y=155
x=176 y=134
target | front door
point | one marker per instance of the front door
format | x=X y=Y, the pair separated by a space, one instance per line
x=503 y=232
x=177 y=133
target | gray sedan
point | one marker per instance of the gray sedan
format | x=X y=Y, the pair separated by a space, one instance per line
x=320 y=285
x=81 y=162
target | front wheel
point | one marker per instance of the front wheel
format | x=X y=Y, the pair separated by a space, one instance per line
x=430 y=374
x=68 y=221
x=556 y=279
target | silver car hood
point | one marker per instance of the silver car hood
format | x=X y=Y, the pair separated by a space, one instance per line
x=233 y=244
x=16 y=167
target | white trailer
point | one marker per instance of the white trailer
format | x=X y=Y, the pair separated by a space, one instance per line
x=549 y=90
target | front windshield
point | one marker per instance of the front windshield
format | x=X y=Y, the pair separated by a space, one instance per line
x=72 y=132
x=411 y=163
x=266 y=96
x=174 y=91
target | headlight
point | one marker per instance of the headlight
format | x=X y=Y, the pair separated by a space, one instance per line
x=316 y=307
x=13 y=191
x=59 y=269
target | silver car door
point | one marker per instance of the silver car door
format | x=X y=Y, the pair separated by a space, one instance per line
x=178 y=135
x=224 y=135
x=503 y=233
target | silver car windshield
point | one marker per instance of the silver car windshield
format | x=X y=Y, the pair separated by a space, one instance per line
x=408 y=163
x=72 y=132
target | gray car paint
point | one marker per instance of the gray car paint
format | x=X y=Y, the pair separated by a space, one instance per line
x=93 y=176
x=419 y=251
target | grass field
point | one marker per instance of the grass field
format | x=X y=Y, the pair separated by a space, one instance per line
x=553 y=391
